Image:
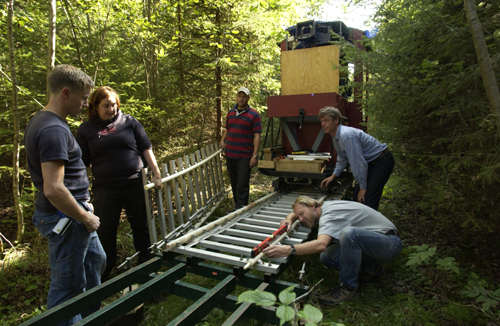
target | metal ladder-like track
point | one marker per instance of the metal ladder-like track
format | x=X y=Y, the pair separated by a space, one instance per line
x=218 y=250
x=231 y=243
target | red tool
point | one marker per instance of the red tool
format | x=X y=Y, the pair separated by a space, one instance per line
x=264 y=244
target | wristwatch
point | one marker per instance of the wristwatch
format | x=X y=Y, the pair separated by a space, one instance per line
x=255 y=156
x=293 y=250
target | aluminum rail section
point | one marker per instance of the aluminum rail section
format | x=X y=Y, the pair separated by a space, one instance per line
x=230 y=239
x=192 y=189
x=233 y=238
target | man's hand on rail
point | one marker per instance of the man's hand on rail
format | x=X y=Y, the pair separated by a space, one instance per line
x=289 y=225
x=278 y=251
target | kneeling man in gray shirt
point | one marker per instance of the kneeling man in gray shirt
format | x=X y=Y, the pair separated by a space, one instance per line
x=352 y=237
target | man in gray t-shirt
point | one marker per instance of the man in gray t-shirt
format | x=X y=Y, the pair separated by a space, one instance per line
x=352 y=237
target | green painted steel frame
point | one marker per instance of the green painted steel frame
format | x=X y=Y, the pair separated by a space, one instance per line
x=171 y=282
x=68 y=309
x=241 y=313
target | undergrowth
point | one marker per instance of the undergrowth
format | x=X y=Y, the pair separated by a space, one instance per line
x=428 y=284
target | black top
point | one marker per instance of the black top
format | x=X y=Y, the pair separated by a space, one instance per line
x=113 y=147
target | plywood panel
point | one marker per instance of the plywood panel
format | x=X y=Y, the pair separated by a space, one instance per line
x=315 y=166
x=308 y=71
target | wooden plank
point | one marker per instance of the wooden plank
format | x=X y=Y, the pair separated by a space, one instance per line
x=187 y=212
x=207 y=168
x=267 y=164
x=177 y=197
x=197 y=179
x=309 y=71
x=221 y=176
x=216 y=170
x=168 y=201
x=202 y=177
x=315 y=166
x=149 y=209
x=212 y=169
x=161 y=213
x=190 y=186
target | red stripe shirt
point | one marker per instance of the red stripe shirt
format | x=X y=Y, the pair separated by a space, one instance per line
x=240 y=132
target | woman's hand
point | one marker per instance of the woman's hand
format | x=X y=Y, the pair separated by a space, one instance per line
x=156 y=180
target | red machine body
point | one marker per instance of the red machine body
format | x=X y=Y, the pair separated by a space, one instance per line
x=308 y=47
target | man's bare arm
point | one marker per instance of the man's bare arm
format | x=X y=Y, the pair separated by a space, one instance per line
x=307 y=248
x=59 y=196
x=222 y=143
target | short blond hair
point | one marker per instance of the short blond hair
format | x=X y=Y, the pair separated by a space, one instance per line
x=68 y=76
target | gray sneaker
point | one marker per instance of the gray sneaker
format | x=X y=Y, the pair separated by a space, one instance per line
x=339 y=294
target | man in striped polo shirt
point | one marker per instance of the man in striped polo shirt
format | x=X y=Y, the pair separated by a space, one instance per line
x=241 y=139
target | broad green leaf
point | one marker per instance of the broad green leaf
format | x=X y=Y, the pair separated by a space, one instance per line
x=287 y=296
x=313 y=314
x=31 y=287
x=260 y=298
x=285 y=313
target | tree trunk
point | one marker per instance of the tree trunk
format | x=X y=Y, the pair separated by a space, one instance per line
x=67 y=10
x=181 y=61
x=51 y=54
x=483 y=57
x=103 y=36
x=152 y=61
x=17 y=131
x=218 y=79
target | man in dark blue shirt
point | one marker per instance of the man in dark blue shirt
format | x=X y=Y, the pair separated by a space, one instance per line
x=76 y=256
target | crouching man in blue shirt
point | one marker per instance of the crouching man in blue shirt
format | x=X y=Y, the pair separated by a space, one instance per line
x=352 y=237
x=371 y=162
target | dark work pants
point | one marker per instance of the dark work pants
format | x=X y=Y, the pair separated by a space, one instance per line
x=110 y=196
x=239 y=173
x=379 y=172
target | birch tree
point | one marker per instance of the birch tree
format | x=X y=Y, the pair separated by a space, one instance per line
x=15 y=121
x=483 y=58
x=51 y=54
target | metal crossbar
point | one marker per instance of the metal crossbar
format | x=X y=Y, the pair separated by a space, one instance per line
x=192 y=188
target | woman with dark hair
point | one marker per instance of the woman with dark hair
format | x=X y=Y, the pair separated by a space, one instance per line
x=116 y=147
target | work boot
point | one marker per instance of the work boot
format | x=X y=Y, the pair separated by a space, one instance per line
x=339 y=294
x=365 y=278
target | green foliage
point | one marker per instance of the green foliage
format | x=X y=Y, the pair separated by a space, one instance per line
x=287 y=310
x=421 y=255
x=489 y=299
x=260 y=298
x=448 y=264
x=426 y=100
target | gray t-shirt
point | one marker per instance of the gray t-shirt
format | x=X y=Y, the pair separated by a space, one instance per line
x=339 y=214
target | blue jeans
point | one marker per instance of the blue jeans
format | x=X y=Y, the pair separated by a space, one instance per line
x=379 y=172
x=359 y=251
x=76 y=258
